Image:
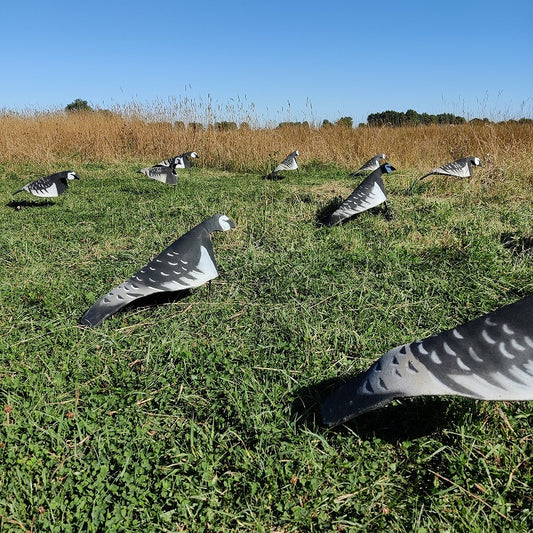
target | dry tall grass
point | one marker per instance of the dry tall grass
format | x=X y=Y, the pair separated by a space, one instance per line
x=111 y=137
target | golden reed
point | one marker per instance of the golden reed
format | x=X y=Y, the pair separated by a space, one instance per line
x=83 y=137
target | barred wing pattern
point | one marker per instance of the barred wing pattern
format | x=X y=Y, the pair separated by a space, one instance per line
x=289 y=163
x=164 y=174
x=180 y=161
x=462 y=168
x=489 y=358
x=369 y=193
x=50 y=186
x=371 y=164
x=187 y=263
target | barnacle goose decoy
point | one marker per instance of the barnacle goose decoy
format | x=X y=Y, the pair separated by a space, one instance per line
x=50 y=186
x=371 y=164
x=163 y=173
x=462 y=168
x=289 y=163
x=370 y=193
x=180 y=161
x=188 y=262
x=488 y=358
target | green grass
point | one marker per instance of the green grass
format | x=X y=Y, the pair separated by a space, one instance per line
x=202 y=413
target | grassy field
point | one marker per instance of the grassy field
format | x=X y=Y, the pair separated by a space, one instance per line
x=203 y=413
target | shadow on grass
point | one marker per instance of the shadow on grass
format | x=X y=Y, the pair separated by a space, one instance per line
x=153 y=300
x=17 y=205
x=517 y=244
x=401 y=420
x=273 y=177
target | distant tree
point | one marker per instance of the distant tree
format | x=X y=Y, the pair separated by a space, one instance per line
x=196 y=126
x=78 y=105
x=225 y=126
x=304 y=124
x=326 y=123
x=347 y=122
x=411 y=118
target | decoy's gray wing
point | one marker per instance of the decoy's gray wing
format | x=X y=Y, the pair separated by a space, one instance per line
x=460 y=169
x=167 y=162
x=489 y=358
x=188 y=262
x=289 y=163
x=370 y=193
x=47 y=187
x=164 y=174
x=370 y=165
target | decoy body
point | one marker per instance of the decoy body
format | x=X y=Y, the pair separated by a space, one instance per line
x=289 y=163
x=371 y=164
x=462 y=168
x=180 y=161
x=489 y=358
x=188 y=262
x=370 y=193
x=50 y=186
x=162 y=173
x=165 y=171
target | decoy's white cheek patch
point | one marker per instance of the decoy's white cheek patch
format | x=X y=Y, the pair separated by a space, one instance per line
x=224 y=223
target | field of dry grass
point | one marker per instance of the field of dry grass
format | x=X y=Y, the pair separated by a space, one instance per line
x=56 y=137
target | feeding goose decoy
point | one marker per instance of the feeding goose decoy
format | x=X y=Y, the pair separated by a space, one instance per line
x=180 y=161
x=289 y=163
x=488 y=358
x=462 y=168
x=371 y=164
x=50 y=186
x=163 y=173
x=369 y=193
x=187 y=263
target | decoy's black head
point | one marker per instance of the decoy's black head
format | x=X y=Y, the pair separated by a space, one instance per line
x=476 y=161
x=218 y=223
x=382 y=156
x=193 y=155
x=296 y=152
x=71 y=175
x=388 y=168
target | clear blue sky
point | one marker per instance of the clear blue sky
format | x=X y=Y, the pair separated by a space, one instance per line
x=299 y=60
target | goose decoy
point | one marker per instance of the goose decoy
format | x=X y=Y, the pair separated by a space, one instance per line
x=462 y=168
x=371 y=164
x=289 y=163
x=163 y=173
x=187 y=263
x=488 y=358
x=180 y=161
x=370 y=193
x=50 y=186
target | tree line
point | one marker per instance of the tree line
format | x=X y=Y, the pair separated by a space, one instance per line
x=384 y=118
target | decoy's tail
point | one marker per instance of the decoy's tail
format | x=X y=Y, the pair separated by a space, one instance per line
x=110 y=303
x=426 y=175
x=16 y=192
